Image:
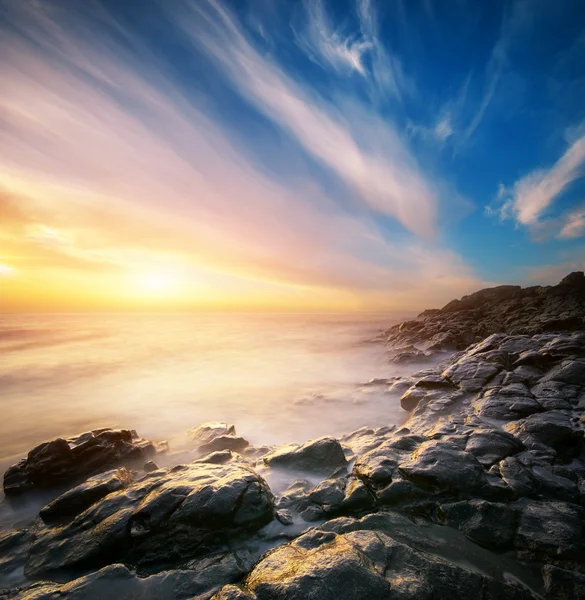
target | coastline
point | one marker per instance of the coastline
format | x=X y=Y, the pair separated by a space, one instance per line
x=481 y=493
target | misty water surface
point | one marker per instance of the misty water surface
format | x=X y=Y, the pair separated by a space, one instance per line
x=278 y=378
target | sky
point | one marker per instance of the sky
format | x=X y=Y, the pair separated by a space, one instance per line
x=287 y=155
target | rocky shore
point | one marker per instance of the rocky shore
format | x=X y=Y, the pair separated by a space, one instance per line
x=480 y=494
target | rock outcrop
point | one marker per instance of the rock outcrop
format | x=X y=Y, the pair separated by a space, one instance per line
x=480 y=494
x=63 y=462
x=165 y=517
x=504 y=309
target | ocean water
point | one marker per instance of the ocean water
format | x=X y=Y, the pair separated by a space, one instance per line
x=278 y=377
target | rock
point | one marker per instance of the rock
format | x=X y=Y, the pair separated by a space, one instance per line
x=225 y=442
x=561 y=584
x=569 y=372
x=198 y=581
x=493 y=311
x=471 y=374
x=323 y=456
x=552 y=428
x=166 y=516
x=517 y=476
x=76 y=500
x=490 y=446
x=361 y=564
x=552 y=528
x=506 y=408
x=14 y=546
x=444 y=466
x=207 y=432
x=401 y=493
x=490 y=524
x=554 y=486
x=215 y=436
x=150 y=466
x=378 y=467
x=330 y=497
x=65 y=462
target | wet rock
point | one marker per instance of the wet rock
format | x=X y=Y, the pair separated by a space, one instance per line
x=444 y=466
x=323 y=456
x=551 y=485
x=150 y=466
x=552 y=428
x=165 y=517
x=517 y=476
x=233 y=443
x=199 y=580
x=402 y=493
x=378 y=466
x=498 y=311
x=14 y=545
x=64 y=462
x=471 y=374
x=361 y=564
x=552 y=528
x=76 y=500
x=207 y=432
x=569 y=372
x=330 y=497
x=561 y=584
x=215 y=436
x=490 y=524
x=490 y=446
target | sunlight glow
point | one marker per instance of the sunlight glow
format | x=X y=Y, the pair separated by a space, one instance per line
x=159 y=282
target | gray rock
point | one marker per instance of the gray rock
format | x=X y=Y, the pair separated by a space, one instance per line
x=76 y=500
x=490 y=446
x=361 y=564
x=552 y=428
x=490 y=524
x=215 y=436
x=570 y=372
x=166 y=516
x=444 y=466
x=517 y=476
x=198 y=581
x=66 y=462
x=323 y=456
x=551 y=528
x=378 y=466
x=561 y=584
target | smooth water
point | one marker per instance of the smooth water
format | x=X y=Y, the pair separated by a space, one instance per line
x=278 y=377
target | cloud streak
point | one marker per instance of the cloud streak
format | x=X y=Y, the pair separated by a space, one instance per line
x=391 y=182
x=529 y=198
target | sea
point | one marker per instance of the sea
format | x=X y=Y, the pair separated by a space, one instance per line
x=278 y=378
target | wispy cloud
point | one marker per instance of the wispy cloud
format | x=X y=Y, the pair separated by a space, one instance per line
x=354 y=47
x=389 y=182
x=330 y=47
x=528 y=199
x=108 y=166
x=574 y=225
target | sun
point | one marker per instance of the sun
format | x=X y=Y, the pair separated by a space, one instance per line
x=158 y=282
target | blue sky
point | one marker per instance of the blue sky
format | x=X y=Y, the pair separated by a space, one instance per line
x=393 y=153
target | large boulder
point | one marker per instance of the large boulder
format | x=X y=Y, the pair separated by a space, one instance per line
x=490 y=446
x=323 y=456
x=76 y=500
x=360 y=564
x=65 y=462
x=551 y=528
x=166 y=516
x=215 y=436
x=442 y=465
x=198 y=580
x=552 y=428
